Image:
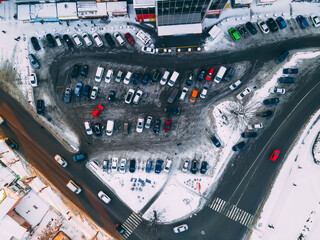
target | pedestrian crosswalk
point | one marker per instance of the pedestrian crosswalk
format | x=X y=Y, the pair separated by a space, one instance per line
x=231 y=211
x=131 y=224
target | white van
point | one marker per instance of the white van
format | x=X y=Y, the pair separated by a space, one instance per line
x=119 y=38
x=73 y=187
x=127 y=78
x=144 y=37
x=173 y=78
x=110 y=126
x=164 y=78
x=219 y=76
x=99 y=74
x=109 y=76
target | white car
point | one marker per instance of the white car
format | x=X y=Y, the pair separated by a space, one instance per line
x=88 y=128
x=168 y=165
x=127 y=78
x=277 y=90
x=97 y=39
x=114 y=165
x=148 y=122
x=234 y=85
x=140 y=125
x=32 y=78
x=185 y=166
x=183 y=93
x=263 y=26
x=77 y=40
x=315 y=20
x=87 y=39
x=204 y=91
x=119 y=38
x=60 y=160
x=245 y=92
x=137 y=97
x=255 y=126
x=119 y=76
x=94 y=92
x=181 y=228
x=148 y=50
x=104 y=197
x=129 y=96
x=58 y=40
x=122 y=168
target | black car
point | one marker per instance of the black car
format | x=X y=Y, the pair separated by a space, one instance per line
x=286 y=80
x=290 y=71
x=135 y=79
x=68 y=41
x=157 y=125
x=204 y=167
x=40 y=106
x=201 y=76
x=35 y=43
x=155 y=76
x=239 y=146
x=251 y=28
x=282 y=57
x=111 y=96
x=230 y=74
x=51 y=41
x=84 y=71
x=194 y=166
x=243 y=31
x=265 y=114
x=120 y=229
x=86 y=91
x=67 y=95
x=109 y=39
x=174 y=111
x=34 y=61
x=132 y=167
x=75 y=71
x=270 y=101
x=190 y=79
x=249 y=134
x=97 y=129
x=216 y=141
x=272 y=25
x=158 y=167
x=11 y=143
x=145 y=79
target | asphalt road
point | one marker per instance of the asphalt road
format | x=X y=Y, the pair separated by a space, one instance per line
x=250 y=168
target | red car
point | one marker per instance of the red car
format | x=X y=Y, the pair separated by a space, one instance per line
x=209 y=75
x=97 y=111
x=275 y=155
x=167 y=125
x=130 y=39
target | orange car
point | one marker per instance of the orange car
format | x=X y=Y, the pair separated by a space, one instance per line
x=194 y=96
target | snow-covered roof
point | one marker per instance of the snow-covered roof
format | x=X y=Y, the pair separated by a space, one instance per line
x=143 y=3
x=6 y=177
x=43 y=10
x=67 y=10
x=179 y=29
x=6 y=203
x=243 y=1
x=10 y=229
x=23 y=11
x=102 y=9
x=117 y=7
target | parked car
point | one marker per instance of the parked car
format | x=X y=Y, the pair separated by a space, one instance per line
x=277 y=90
x=57 y=38
x=79 y=157
x=125 y=128
x=51 y=41
x=67 y=95
x=234 y=34
x=75 y=71
x=204 y=91
x=88 y=128
x=129 y=96
x=109 y=39
x=140 y=125
x=148 y=50
x=145 y=79
x=67 y=40
x=281 y=22
x=97 y=111
x=302 y=21
x=204 y=167
x=87 y=39
x=290 y=71
x=215 y=141
x=245 y=92
x=127 y=78
x=234 y=85
x=243 y=31
x=33 y=61
x=119 y=76
x=167 y=125
x=210 y=73
x=97 y=129
x=168 y=165
x=97 y=39
x=156 y=127
x=194 y=95
x=230 y=74
x=77 y=40
x=265 y=114
x=35 y=44
x=149 y=165
x=137 y=97
x=135 y=79
x=111 y=96
x=60 y=160
x=315 y=20
x=270 y=101
x=122 y=168
x=32 y=78
x=275 y=155
x=132 y=166
x=286 y=80
x=255 y=126
x=155 y=77
x=263 y=27
x=158 y=166
x=106 y=165
x=181 y=228
x=194 y=166
x=239 y=146
x=10 y=143
x=130 y=39
x=94 y=92
x=148 y=122
x=119 y=38
x=271 y=23
x=201 y=76
x=84 y=71
x=104 y=197
x=114 y=165
x=251 y=28
x=190 y=79
x=86 y=91
x=77 y=90
x=249 y=134
x=40 y=106
x=282 y=57
x=185 y=166
x=183 y=93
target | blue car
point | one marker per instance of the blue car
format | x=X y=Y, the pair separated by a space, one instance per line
x=79 y=157
x=78 y=88
x=145 y=79
x=302 y=22
x=135 y=79
x=149 y=166
x=281 y=22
